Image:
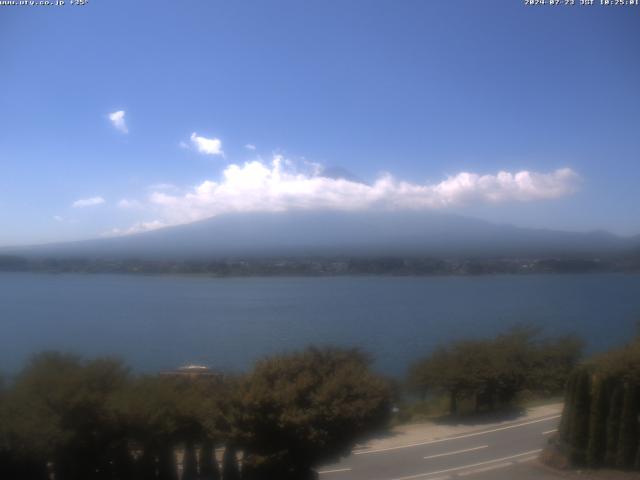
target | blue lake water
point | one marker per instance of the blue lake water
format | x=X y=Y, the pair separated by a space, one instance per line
x=162 y=322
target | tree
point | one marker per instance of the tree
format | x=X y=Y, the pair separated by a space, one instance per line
x=148 y=408
x=628 y=434
x=580 y=418
x=598 y=422
x=494 y=371
x=564 y=429
x=59 y=413
x=613 y=425
x=295 y=411
x=599 y=425
x=452 y=370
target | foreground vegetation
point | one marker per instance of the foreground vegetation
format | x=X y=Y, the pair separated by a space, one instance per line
x=600 y=425
x=493 y=373
x=93 y=420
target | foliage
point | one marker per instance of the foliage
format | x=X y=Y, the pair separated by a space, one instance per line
x=628 y=434
x=494 y=371
x=93 y=420
x=602 y=410
x=308 y=407
x=579 y=421
x=598 y=423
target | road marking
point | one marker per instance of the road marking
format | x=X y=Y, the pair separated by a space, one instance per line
x=337 y=470
x=485 y=469
x=465 y=467
x=550 y=431
x=456 y=452
x=528 y=459
x=474 y=434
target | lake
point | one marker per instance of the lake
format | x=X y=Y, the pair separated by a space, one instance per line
x=159 y=322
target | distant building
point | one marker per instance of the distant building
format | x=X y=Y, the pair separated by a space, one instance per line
x=192 y=371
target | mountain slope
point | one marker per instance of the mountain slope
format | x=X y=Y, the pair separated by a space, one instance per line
x=340 y=233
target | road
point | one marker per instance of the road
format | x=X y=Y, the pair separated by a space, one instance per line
x=499 y=452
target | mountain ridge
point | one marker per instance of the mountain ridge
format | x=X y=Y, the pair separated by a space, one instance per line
x=331 y=233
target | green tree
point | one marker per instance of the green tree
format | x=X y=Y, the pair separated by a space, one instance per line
x=301 y=409
x=596 y=447
x=580 y=419
x=628 y=434
x=456 y=371
x=149 y=409
x=495 y=371
x=564 y=430
x=613 y=425
x=59 y=413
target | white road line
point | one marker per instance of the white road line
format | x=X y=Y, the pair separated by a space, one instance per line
x=528 y=459
x=456 y=452
x=474 y=434
x=465 y=467
x=337 y=470
x=485 y=469
x=550 y=431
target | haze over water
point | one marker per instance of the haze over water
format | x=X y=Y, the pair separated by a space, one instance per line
x=166 y=321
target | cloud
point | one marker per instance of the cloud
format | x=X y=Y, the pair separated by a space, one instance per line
x=118 y=121
x=250 y=146
x=87 y=202
x=129 y=204
x=58 y=218
x=208 y=146
x=136 y=228
x=277 y=186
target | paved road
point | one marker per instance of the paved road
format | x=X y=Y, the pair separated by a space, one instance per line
x=499 y=452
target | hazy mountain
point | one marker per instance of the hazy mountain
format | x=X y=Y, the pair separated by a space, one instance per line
x=341 y=233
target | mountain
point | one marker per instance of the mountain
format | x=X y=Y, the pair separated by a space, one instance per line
x=307 y=234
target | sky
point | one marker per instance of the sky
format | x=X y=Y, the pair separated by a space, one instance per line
x=119 y=117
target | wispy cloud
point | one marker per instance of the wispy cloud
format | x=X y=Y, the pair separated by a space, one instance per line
x=208 y=146
x=278 y=186
x=250 y=146
x=136 y=228
x=118 y=121
x=88 y=202
x=129 y=204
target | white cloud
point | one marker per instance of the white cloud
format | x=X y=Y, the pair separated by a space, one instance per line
x=250 y=146
x=209 y=146
x=87 y=202
x=118 y=121
x=58 y=218
x=136 y=228
x=129 y=204
x=277 y=186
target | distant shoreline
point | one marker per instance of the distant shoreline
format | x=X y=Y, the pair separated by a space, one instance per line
x=324 y=267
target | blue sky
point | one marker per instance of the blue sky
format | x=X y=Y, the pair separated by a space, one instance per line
x=425 y=101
